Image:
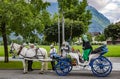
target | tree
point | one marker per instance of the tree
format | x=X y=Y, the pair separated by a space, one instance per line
x=40 y=17
x=51 y=32
x=22 y=18
x=113 y=31
x=77 y=19
x=100 y=37
x=76 y=10
x=5 y=17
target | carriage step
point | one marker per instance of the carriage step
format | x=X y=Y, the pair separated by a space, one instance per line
x=81 y=68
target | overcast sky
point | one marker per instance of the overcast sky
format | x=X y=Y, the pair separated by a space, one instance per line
x=109 y=8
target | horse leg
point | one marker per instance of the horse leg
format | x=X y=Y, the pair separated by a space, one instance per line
x=24 y=66
x=46 y=63
x=46 y=66
x=42 y=68
x=24 y=70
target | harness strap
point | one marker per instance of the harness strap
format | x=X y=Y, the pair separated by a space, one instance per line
x=21 y=47
x=41 y=53
x=36 y=52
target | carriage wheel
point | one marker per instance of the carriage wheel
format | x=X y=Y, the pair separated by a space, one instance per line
x=101 y=66
x=63 y=68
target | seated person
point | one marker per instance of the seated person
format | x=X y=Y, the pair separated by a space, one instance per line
x=65 y=48
x=76 y=55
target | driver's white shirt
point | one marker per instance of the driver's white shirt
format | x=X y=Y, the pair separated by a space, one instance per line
x=31 y=52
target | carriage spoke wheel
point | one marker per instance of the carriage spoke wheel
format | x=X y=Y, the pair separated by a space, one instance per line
x=101 y=66
x=62 y=68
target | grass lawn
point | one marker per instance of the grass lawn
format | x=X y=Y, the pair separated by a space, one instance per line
x=1 y=50
x=18 y=65
x=114 y=51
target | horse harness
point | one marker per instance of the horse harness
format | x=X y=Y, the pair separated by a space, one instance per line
x=36 y=51
x=21 y=47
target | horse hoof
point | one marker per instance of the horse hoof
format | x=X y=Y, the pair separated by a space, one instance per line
x=24 y=72
x=41 y=72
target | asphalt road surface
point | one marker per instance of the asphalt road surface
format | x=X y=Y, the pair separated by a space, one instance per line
x=18 y=74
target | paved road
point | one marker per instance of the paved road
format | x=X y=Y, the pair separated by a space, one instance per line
x=17 y=74
x=115 y=61
x=79 y=74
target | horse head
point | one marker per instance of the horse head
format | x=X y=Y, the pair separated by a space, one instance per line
x=11 y=48
x=15 y=47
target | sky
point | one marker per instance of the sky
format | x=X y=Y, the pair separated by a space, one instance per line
x=109 y=8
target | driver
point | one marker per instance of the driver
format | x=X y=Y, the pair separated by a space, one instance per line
x=87 y=48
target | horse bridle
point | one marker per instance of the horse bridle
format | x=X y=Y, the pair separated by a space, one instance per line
x=12 y=47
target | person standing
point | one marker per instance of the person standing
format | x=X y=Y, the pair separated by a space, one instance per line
x=30 y=62
x=52 y=52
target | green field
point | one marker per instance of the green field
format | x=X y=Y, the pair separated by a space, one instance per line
x=18 y=65
x=113 y=50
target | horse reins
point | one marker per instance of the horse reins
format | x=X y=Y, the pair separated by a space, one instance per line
x=40 y=52
x=12 y=47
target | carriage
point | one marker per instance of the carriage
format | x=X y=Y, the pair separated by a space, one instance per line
x=100 y=65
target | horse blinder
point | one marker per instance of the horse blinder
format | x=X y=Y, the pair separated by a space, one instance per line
x=10 y=51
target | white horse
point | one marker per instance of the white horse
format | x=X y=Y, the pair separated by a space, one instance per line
x=23 y=52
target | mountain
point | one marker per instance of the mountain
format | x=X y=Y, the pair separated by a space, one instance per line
x=99 y=21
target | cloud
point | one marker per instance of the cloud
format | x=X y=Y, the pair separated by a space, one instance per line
x=50 y=0
x=110 y=8
x=98 y=4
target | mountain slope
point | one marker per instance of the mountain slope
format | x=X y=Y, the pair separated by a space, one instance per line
x=99 y=21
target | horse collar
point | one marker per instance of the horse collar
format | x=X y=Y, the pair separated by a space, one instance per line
x=21 y=47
